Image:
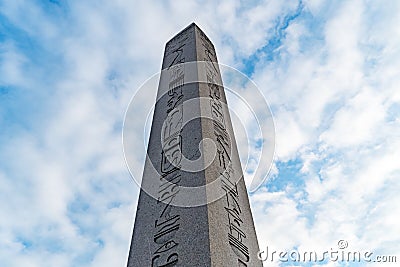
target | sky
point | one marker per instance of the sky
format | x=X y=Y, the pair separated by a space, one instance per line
x=68 y=69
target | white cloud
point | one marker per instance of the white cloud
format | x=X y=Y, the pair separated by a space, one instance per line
x=11 y=65
x=357 y=122
x=331 y=100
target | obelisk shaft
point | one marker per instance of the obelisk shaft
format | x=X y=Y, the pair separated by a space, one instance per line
x=171 y=227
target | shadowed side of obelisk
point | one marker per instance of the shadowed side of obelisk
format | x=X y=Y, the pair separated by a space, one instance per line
x=165 y=234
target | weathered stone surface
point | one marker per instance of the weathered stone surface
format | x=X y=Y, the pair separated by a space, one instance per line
x=193 y=206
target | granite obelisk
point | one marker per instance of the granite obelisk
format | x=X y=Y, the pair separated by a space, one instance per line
x=193 y=207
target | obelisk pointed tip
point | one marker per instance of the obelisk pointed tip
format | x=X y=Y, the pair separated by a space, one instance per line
x=191 y=25
x=194 y=25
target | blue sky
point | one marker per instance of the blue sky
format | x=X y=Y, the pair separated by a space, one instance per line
x=329 y=70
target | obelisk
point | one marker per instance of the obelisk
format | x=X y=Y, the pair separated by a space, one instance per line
x=193 y=207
